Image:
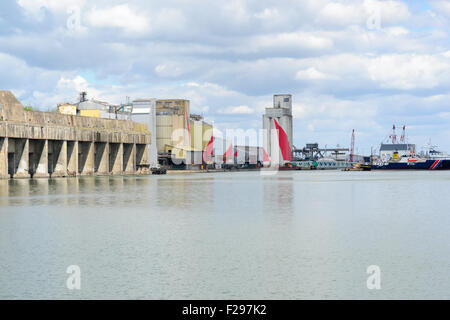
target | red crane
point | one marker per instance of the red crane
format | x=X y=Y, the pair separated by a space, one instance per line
x=394 y=135
x=402 y=138
x=352 y=146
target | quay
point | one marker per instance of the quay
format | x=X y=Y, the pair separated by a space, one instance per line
x=37 y=144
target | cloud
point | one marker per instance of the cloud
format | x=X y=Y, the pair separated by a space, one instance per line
x=409 y=71
x=120 y=16
x=237 y=110
x=311 y=74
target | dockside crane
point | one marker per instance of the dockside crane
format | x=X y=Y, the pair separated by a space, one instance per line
x=403 y=136
x=352 y=146
x=393 y=135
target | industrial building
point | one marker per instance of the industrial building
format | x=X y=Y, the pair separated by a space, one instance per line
x=277 y=121
x=96 y=109
x=181 y=137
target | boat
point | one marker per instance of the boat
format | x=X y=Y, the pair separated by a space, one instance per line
x=359 y=167
x=413 y=163
x=402 y=156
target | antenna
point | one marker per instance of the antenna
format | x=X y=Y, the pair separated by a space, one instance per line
x=83 y=96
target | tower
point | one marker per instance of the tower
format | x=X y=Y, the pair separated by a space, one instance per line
x=280 y=115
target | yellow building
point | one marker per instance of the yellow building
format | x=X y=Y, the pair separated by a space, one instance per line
x=90 y=113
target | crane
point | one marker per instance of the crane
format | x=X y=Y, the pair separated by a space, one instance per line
x=352 y=146
x=394 y=135
x=402 y=138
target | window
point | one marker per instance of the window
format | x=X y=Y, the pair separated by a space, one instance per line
x=286 y=99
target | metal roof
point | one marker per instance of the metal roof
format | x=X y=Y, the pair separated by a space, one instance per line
x=397 y=147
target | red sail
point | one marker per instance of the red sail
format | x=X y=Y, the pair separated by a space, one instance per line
x=229 y=152
x=283 y=142
x=208 y=153
x=188 y=128
x=265 y=156
x=228 y=156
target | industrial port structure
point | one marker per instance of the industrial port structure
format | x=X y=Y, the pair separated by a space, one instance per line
x=178 y=137
x=47 y=144
x=92 y=137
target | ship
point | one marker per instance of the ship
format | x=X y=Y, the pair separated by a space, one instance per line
x=403 y=156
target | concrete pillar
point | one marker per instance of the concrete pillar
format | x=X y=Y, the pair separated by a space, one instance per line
x=87 y=158
x=4 y=158
x=115 y=158
x=72 y=158
x=142 y=158
x=129 y=158
x=40 y=159
x=59 y=158
x=102 y=158
x=21 y=158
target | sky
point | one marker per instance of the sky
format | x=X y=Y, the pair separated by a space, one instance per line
x=362 y=65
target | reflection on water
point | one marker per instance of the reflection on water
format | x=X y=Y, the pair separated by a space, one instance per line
x=240 y=235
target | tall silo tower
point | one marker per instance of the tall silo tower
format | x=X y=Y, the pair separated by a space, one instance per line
x=281 y=112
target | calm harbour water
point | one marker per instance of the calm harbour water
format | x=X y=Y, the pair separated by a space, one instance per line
x=241 y=235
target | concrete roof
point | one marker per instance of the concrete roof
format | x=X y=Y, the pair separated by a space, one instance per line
x=12 y=109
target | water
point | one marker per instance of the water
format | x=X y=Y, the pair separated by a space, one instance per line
x=295 y=235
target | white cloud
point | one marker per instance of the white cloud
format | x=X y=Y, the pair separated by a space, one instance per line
x=397 y=31
x=120 y=16
x=311 y=74
x=296 y=40
x=237 y=110
x=78 y=83
x=267 y=13
x=409 y=71
x=441 y=7
x=342 y=13
x=35 y=6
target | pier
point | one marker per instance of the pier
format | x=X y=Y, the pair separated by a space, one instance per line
x=37 y=144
